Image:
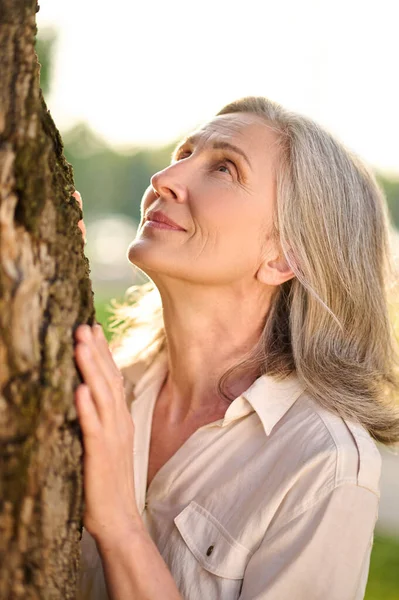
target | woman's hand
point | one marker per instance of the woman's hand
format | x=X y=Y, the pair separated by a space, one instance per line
x=81 y=223
x=108 y=434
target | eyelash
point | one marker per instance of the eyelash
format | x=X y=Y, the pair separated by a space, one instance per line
x=225 y=162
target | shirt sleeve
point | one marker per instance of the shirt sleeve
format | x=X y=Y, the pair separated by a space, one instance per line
x=322 y=553
x=91 y=582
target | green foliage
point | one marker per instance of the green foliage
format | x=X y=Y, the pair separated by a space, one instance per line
x=383 y=582
x=114 y=182
x=109 y=181
x=391 y=189
x=45 y=49
x=103 y=313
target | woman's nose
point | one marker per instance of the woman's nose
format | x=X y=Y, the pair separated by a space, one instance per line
x=168 y=187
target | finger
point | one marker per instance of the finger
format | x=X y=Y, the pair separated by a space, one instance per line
x=81 y=223
x=87 y=414
x=113 y=374
x=102 y=345
x=82 y=228
x=98 y=344
x=85 y=334
x=93 y=376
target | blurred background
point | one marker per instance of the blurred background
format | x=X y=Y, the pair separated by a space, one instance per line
x=124 y=81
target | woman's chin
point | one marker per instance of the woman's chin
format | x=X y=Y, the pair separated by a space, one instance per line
x=149 y=260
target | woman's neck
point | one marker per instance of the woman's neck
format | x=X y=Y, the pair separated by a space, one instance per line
x=207 y=334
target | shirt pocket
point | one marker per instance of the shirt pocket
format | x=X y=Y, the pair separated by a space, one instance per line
x=211 y=544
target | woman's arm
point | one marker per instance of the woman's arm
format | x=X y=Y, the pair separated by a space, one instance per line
x=133 y=567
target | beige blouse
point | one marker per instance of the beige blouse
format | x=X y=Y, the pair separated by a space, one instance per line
x=277 y=500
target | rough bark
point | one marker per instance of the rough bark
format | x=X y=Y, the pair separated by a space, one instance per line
x=45 y=291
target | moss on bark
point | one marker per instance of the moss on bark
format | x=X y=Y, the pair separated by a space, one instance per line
x=45 y=292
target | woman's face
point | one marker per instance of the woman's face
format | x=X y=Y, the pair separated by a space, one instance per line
x=219 y=187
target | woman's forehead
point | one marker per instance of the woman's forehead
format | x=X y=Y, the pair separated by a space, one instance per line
x=248 y=132
x=229 y=126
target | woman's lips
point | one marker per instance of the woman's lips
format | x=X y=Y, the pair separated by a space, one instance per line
x=158 y=217
x=158 y=225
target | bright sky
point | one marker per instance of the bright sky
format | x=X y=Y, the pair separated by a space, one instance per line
x=148 y=71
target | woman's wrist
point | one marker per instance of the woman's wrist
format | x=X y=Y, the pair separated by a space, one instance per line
x=133 y=566
x=119 y=534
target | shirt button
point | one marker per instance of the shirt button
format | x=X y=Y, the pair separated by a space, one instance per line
x=210 y=550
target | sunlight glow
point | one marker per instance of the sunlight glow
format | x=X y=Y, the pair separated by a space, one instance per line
x=149 y=72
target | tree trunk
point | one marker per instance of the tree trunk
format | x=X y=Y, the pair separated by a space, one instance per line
x=45 y=291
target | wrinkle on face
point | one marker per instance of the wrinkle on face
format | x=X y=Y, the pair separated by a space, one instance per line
x=221 y=126
x=206 y=243
x=228 y=214
x=218 y=129
x=224 y=128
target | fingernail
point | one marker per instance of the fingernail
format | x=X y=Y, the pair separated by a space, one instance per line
x=85 y=331
x=98 y=328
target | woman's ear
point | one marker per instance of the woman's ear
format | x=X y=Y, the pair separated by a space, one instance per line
x=274 y=271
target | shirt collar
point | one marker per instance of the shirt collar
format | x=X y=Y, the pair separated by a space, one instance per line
x=268 y=396
x=271 y=398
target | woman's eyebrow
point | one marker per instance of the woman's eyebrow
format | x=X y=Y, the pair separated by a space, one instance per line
x=217 y=145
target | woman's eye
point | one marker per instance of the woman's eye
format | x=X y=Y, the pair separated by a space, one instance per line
x=224 y=166
x=228 y=167
x=182 y=155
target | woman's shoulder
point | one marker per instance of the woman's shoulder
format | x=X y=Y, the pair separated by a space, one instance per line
x=318 y=453
x=355 y=455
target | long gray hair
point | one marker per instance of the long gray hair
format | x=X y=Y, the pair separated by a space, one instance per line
x=330 y=324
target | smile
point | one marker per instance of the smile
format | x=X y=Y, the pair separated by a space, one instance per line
x=158 y=225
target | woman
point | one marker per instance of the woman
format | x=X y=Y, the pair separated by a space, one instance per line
x=265 y=371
